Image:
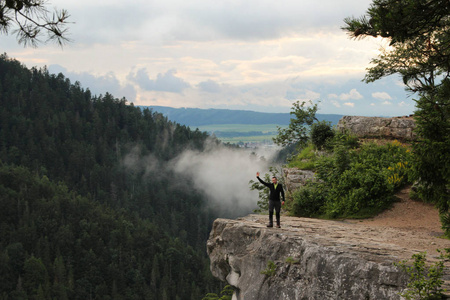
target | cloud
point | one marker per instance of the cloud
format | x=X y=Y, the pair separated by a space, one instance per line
x=98 y=84
x=381 y=95
x=255 y=55
x=349 y=104
x=201 y=20
x=352 y=95
x=167 y=82
x=209 y=86
x=302 y=95
x=335 y=103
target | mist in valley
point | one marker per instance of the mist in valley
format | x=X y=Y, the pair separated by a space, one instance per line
x=220 y=173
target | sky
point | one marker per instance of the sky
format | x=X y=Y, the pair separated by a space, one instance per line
x=255 y=55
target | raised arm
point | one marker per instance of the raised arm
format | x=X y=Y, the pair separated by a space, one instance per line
x=260 y=180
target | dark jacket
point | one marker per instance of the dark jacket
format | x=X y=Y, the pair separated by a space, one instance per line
x=274 y=194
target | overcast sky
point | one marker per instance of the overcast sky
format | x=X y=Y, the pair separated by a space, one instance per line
x=237 y=54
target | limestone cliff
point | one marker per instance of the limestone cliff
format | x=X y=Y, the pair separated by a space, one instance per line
x=315 y=259
x=377 y=127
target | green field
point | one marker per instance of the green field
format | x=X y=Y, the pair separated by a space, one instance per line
x=235 y=133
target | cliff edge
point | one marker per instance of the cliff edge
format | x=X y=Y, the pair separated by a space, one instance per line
x=315 y=259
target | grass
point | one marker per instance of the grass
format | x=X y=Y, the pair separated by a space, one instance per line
x=305 y=160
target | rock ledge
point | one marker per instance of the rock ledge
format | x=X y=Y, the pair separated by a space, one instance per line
x=315 y=259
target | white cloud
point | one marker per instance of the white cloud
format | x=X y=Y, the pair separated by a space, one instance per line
x=166 y=82
x=352 y=95
x=386 y=103
x=335 y=103
x=254 y=54
x=381 y=95
x=98 y=84
x=209 y=86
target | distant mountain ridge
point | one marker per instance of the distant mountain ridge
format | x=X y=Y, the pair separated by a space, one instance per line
x=200 y=117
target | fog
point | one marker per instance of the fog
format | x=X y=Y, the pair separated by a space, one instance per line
x=223 y=175
x=220 y=173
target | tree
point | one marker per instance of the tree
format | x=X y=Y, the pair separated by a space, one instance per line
x=33 y=20
x=297 y=131
x=321 y=133
x=419 y=50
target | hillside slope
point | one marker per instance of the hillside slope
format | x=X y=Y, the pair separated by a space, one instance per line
x=199 y=117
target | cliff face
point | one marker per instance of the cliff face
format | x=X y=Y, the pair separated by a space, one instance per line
x=315 y=259
x=376 y=127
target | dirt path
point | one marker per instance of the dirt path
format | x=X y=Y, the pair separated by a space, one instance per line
x=407 y=215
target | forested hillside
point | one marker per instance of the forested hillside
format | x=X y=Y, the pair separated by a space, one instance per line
x=88 y=209
x=199 y=117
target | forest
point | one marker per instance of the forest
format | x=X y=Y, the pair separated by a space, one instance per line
x=88 y=208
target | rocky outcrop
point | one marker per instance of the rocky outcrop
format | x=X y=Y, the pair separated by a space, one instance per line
x=314 y=259
x=376 y=127
x=295 y=178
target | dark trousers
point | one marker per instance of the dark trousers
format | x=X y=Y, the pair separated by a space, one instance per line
x=277 y=206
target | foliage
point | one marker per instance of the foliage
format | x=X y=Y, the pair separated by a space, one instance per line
x=308 y=201
x=226 y=294
x=290 y=260
x=74 y=248
x=297 y=131
x=354 y=183
x=270 y=270
x=33 y=20
x=305 y=159
x=420 y=39
x=85 y=188
x=321 y=134
x=263 y=192
x=432 y=152
x=419 y=31
x=424 y=283
x=343 y=139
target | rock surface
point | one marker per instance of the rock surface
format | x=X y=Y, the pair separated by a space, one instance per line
x=377 y=127
x=315 y=259
x=295 y=178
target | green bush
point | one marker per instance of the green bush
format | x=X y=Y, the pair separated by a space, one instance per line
x=425 y=283
x=344 y=139
x=354 y=182
x=308 y=201
x=357 y=190
x=270 y=270
x=321 y=133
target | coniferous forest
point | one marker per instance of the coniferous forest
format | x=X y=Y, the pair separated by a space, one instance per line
x=77 y=219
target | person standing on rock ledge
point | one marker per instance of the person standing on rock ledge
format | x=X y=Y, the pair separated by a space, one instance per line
x=274 y=199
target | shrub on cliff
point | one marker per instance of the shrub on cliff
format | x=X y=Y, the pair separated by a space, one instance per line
x=354 y=182
x=321 y=134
